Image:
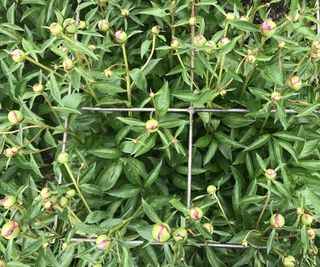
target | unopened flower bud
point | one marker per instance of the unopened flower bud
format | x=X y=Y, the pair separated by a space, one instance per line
x=63 y=202
x=315 y=45
x=97 y=265
x=199 y=41
x=55 y=28
x=125 y=12
x=294 y=83
x=281 y=44
x=312 y=252
x=296 y=17
x=64 y=245
x=211 y=189
x=8 y=152
x=315 y=55
x=82 y=25
x=63 y=158
x=45 y=245
x=47 y=204
x=180 y=235
x=270 y=174
x=268 y=28
x=63 y=49
x=230 y=16
x=250 y=59
x=223 y=42
x=161 y=232
x=71 y=193
x=92 y=47
x=277 y=221
x=244 y=18
x=192 y=21
x=38 y=88
x=15 y=117
x=223 y=92
x=208 y=227
x=70 y=25
x=10 y=230
x=289 y=261
x=152 y=95
x=244 y=243
x=107 y=73
x=306 y=219
x=155 y=30
x=2 y=263
x=18 y=56
x=121 y=36
x=68 y=64
x=103 y=25
x=9 y=201
x=152 y=125
x=103 y=242
x=311 y=234
x=275 y=96
x=211 y=47
x=196 y=213
x=175 y=43
x=299 y=211
x=45 y=193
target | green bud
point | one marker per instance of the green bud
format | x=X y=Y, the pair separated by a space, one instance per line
x=38 y=88
x=18 y=56
x=121 y=37
x=107 y=73
x=68 y=64
x=289 y=261
x=277 y=221
x=311 y=234
x=55 y=28
x=161 y=232
x=211 y=189
x=270 y=174
x=175 y=43
x=10 y=230
x=155 y=30
x=45 y=193
x=152 y=125
x=192 y=21
x=223 y=42
x=103 y=25
x=275 y=96
x=71 y=193
x=63 y=158
x=208 y=227
x=306 y=219
x=70 y=25
x=15 y=117
x=180 y=235
x=82 y=25
x=199 y=41
x=230 y=16
x=63 y=202
x=125 y=12
x=294 y=83
x=9 y=201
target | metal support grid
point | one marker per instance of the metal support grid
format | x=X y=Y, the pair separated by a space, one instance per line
x=191 y=110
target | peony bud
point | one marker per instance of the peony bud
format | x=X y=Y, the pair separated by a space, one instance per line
x=152 y=125
x=11 y=152
x=9 y=201
x=268 y=28
x=196 y=213
x=70 y=25
x=199 y=41
x=244 y=18
x=121 y=37
x=277 y=221
x=211 y=47
x=63 y=158
x=125 y=12
x=63 y=202
x=311 y=234
x=15 y=117
x=82 y=25
x=10 y=230
x=230 y=16
x=315 y=45
x=103 y=243
x=71 y=193
x=315 y=55
x=270 y=174
x=45 y=193
x=68 y=64
x=103 y=25
x=306 y=219
x=161 y=232
x=55 y=28
x=211 y=189
x=47 y=204
x=192 y=21
x=2 y=263
x=289 y=261
x=38 y=88
x=275 y=96
x=294 y=83
x=92 y=47
x=175 y=43
x=223 y=42
x=244 y=243
x=250 y=59
x=15 y=150
x=299 y=211
x=180 y=235
x=155 y=30
x=296 y=17
x=312 y=252
x=107 y=73
x=97 y=265
x=208 y=227
x=281 y=44
x=18 y=56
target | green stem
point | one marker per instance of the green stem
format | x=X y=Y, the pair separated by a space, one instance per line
x=265 y=204
x=50 y=106
x=76 y=186
x=151 y=53
x=43 y=66
x=223 y=213
x=184 y=68
x=220 y=71
x=125 y=59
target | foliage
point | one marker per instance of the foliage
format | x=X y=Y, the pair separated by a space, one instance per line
x=121 y=176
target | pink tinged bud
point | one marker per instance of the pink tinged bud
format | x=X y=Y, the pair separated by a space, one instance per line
x=18 y=56
x=224 y=41
x=175 y=43
x=315 y=55
x=70 y=25
x=211 y=47
x=277 y=221
x=161 y=232
x=311 y=234
x=15 y=117
x=152 y=125
x=103 y=25
x=68 y=64
x=199 y=41
x=2 y=263
x=208 y=227
x=38 y=88
x=10 y=230
x=55 y=28
x=180 y=235
x=244 y=18
x=103 y=243
x=268 y=28
x=270 y=174
x=9 y=201
x=275 y=96
x=121 y=36
x=289 y=261
x=196 y=213
x=306 y=219
x=294 y=83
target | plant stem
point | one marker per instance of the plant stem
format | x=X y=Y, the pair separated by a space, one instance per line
x=220 y=71
x=125 y=59
x=223 y=213
x=184 y=68
x=265 y=204
x=43 y=67
x=50 y=106
x=76 y=186
x=151 y=53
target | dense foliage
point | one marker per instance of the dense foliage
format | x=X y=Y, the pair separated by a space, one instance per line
x=80 y=187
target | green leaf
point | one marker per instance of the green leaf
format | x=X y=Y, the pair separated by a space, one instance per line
x=106 y=153
x=154 y=174
x=139 y=78
x=110 y=175
x=152 y=215
x=259 y=142
x=54 y=89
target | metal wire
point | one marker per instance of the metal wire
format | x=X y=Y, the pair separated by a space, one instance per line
x=200 y=244
x=318 y=16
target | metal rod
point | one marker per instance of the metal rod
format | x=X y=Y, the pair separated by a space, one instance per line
x=190 y=146
x=186 y=110
x=201 y=244
x=318 y=16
